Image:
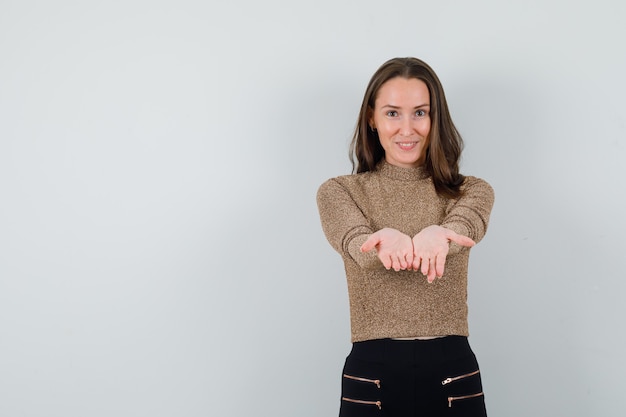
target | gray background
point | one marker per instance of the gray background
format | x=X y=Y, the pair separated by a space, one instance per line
x=160 y=248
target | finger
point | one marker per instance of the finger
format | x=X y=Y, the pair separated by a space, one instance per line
x=402 y=261
x=370 y=243
x=425 y=266
x=440 y=265
x=416 y=263
x=432 y=272
x=386 y=260
x=461 y=240
x=409 y=260
x=396 y=264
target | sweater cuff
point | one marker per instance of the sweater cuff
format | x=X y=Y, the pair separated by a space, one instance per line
x=459 y=229
x=366 y=260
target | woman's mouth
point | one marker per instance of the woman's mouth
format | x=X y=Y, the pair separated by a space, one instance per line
x=406 y=146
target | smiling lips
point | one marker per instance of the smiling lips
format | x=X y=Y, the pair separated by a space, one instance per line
x=406 y=146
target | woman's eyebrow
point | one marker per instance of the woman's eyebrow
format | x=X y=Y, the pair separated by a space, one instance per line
x=391 y=106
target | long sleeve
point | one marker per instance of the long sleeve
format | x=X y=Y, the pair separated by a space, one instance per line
x=344 y=224
x=469 y=214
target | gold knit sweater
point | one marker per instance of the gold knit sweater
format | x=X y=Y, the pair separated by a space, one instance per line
x=385 y=303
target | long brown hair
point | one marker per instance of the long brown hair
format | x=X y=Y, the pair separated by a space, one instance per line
x=445 y=142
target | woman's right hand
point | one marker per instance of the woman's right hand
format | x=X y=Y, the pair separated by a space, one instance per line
x=394 y=248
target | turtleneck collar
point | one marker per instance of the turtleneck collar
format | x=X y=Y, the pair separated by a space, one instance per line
x=399 y=173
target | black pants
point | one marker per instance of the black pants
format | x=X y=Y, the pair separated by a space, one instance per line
x=407 y=378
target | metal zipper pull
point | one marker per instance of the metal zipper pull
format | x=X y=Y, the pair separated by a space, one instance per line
x=456 y=378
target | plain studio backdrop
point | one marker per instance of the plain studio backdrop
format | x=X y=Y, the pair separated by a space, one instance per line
x=160 y=246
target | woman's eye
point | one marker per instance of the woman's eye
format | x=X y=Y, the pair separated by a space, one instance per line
x=392 y=113
x=420 y=113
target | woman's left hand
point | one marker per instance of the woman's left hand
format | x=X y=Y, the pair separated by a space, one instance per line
x=430 y=249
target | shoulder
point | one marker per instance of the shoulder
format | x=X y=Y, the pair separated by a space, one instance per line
x=345 y=188
x=470 y=181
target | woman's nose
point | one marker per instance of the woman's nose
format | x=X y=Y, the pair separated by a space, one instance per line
x=407 y=127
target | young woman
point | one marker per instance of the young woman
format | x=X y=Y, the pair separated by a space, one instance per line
x=403 y=224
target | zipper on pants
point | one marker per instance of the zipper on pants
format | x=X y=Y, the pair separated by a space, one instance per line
x=463 y=397
x=376 y=403
x=356 y=378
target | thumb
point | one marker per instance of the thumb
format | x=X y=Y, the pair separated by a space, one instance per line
x=370 y=243
x=461 y=240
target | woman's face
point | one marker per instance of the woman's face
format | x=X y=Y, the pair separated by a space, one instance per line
x=402 y=117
